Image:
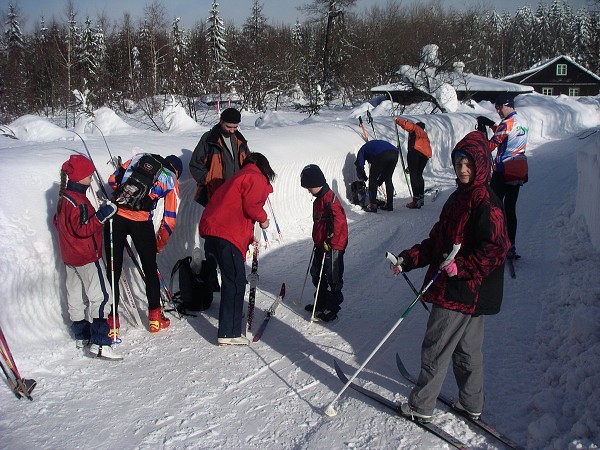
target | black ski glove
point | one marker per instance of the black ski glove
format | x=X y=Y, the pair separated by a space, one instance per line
x=483 y=122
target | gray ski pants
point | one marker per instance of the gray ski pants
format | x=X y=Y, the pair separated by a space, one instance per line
x=456 y=336
x=88 y=282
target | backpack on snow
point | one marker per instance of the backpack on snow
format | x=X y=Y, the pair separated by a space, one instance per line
x=359 y=193
x=133 y=192
x=195 y=290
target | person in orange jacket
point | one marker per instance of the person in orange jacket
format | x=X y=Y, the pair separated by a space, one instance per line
x=140 y=226
x=419 y=152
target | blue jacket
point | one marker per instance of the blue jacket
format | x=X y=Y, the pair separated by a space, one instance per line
x=368 y=152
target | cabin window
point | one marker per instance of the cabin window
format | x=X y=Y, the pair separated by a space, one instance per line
x=561 y=69
x=573 y=91
x=547 y=91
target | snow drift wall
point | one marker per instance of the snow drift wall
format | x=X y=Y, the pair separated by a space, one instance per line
x=588 y=186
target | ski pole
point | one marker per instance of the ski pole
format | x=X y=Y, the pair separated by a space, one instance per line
x=402 y=159
x=112 y=280
x=8 y=358
x=9 y=379
x=274 y=219
x=105 y=143
x=370 y=122
x=299 y=302
x=330 y=410
x=165 y=294
x=392 y=258
x=312 y=317
x=362 y=127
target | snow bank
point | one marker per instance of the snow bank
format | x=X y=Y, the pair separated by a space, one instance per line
x=588 y=183
x=38 y=129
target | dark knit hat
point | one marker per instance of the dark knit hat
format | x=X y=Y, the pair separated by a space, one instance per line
x=312 y=177
x=505 y=99
x=231 y=115
x=421 y=124
x=176 y=163
x=459 y=154
x=78 y=167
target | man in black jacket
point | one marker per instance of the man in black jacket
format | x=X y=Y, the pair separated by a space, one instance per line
x=218 y=155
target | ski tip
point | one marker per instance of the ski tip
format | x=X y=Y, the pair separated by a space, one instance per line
x=330 y=411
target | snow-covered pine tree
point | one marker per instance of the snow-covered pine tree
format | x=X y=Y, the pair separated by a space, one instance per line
x=219 y=62
x=92 y=57
x=14 y=71
x=583 y=39
x=179 y=46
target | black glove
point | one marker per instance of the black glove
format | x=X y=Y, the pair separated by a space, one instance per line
x=105 y=212
x=362 y=174
x=483 y=122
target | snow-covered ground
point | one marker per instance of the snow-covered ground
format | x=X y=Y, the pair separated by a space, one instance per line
x=178 y=389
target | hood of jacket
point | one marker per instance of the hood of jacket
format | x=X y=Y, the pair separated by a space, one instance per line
x=475 y=144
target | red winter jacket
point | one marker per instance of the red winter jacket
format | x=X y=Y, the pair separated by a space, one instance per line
x=329 y=220
x=79 y=230
x=473 y=217
x=234 y=208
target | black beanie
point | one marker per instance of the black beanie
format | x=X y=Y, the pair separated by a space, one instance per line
x=505 y=99
x=312 y=177
x=231 y=115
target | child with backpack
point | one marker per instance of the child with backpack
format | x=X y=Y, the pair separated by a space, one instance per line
x=79 y=228
x=330 y=237
x=138 y=185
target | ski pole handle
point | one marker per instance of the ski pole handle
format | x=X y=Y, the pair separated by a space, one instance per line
x=392 y=258
x=451 y=256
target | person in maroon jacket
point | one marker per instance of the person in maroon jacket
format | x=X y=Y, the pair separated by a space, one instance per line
x=469 y=287
x=330 y=238
x=227 y=225
x=79 y=228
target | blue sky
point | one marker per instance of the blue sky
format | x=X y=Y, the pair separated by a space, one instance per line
x=193 y=11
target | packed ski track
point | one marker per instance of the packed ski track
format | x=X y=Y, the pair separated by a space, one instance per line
x=178 y=389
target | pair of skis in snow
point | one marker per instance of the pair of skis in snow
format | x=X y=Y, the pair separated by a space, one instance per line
x=253 y=281
x=429 y=426
x=21 y=387
x=270 y=313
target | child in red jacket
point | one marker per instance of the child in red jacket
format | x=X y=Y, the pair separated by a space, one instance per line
x=79 y=228
x=330 y=237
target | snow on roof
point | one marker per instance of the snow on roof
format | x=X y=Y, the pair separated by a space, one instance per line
x=463 y=82
x=542 y=65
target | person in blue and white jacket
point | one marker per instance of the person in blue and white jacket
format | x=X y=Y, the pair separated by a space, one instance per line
x=510 y=169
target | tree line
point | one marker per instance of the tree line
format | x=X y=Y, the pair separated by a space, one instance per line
x=335 y=56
